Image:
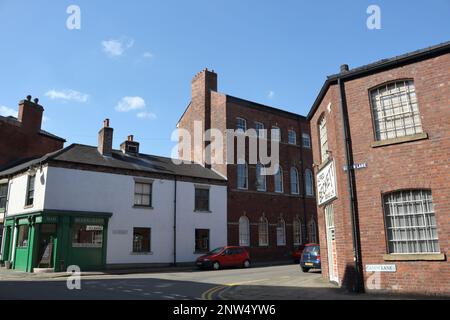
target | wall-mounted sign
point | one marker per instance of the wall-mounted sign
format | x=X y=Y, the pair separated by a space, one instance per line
x=381 y=268
x=326 y=184
x=94 y=228
x=357 y=166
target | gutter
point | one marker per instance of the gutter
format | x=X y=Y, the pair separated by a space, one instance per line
x=358 y=285
x=175 y=222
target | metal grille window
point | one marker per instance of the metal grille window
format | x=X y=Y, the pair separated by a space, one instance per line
x=260 y=129
x=263 y=232
x=411 y=222
x=143 y=194
x=241 y=125
x=323 y=138
x=294 y=181
x=244 y=232
x=292 y=137
x=306 y=141
x=142 y=240
x=30 y=190
x=3 y=196
x=201 y=199
x=242 y=176
x=279 y=180
x=309 y=183
x=297 y=227
x=395 y=110
x=281 y=233
x=261 y=184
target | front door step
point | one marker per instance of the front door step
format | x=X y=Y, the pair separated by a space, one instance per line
x=43 y=270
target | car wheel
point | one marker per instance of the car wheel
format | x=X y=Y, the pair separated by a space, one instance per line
x=247 y=264
x=305 y=270
x=216 y=266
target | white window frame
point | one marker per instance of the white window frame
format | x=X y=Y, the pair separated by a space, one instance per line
x=297 y=232
x=274 y=136
x=294 y=181
x=244 y=232
x=259 y=127
x=323 y=138
x=278 y=175
x=309 y=183
x=263 y=232
x=410 y=220
x=312 y=226
x=261 y=179
x=281 y=233
x=292 y=137
x=306 y=139
x=395 y=110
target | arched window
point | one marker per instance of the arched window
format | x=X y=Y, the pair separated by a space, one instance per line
x=312 y=231
x=411 y=222
x=309 y=183
x=279 y=180
x=294 y=181
x=395 y=110
x=241 y=125
x=297 y=228
x=276 y=134
x=242 y=176
x=263 y=232
x=306 y=141
x=323 y=136
x=244 y=232
x=260 y=178
x=281 y=233
x=292 y=137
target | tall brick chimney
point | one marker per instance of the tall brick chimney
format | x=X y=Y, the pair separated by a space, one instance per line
x=202 y=85
x=30 y=114
x=105 y=139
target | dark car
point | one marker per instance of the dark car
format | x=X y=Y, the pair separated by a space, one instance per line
x=297 y=253
x=225 y=257
x=310 y=257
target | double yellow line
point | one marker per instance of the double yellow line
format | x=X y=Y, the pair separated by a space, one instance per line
x=209 y=294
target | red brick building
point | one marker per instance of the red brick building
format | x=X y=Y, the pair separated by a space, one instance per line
x=270 y=216
x=23 y=137
x=385 y=223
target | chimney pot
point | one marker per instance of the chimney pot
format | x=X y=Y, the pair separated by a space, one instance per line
x=106 y=123
x=131 y=138
x=29 y=97
x=36 y=100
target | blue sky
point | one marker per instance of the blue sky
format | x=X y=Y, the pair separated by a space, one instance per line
x=133 y=61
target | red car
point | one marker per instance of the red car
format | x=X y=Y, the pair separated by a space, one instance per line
x=225 y=257
x=297 y=253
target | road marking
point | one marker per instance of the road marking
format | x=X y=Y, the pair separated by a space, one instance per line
x=245 y=282
x=208 y=295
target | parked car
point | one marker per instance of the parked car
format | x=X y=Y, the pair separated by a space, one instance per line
x=297 y=253
x=310 y=257
x=225 y=257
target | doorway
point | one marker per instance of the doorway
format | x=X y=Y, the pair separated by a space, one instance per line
x=47 y=241
x=331 y=243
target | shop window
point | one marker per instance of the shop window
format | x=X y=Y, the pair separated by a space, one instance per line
x=22 y=238
x=85 y=236
x=142 y=240
x=201 y=240
x=202 y=199
x=143 y=194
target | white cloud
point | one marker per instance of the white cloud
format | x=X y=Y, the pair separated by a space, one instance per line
x=130 y=103
x=271 y=95
x=147 y=55
x=7 y=112
x=117 y=47
x=146 y=115
x=67 y=95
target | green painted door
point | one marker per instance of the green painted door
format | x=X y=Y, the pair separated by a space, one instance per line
x=22 y=248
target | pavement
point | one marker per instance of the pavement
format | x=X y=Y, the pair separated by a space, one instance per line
x=286 y=282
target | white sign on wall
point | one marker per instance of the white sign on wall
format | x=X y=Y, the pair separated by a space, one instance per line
x=326 y=184
x=381 y=268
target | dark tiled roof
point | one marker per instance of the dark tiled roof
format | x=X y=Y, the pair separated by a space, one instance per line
x=385 y=64
x=88 y=155
x=14 y=121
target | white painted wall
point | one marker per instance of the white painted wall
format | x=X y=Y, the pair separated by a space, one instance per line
x=17 y=193
x=78 y=190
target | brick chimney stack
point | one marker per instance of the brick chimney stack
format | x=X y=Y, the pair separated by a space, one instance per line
x=30 y=114
x=105 y=139
x=130 y=146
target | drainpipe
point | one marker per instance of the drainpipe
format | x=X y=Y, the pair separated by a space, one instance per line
x=175 y=224
x=358 y=286
x=301 y=179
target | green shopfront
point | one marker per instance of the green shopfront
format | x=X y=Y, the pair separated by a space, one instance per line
x=56 y=240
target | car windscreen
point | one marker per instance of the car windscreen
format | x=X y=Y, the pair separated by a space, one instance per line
x=312 y=250
x=215 y=251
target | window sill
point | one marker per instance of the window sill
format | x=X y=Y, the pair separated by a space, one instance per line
x=202 y=211
x=142 y=207
x=201 y=252
x=416 y=137
x=141 y=253
x=415 y=257
x=28 y=207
